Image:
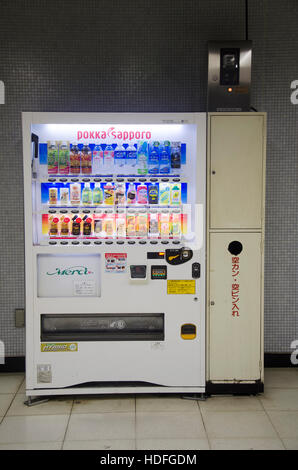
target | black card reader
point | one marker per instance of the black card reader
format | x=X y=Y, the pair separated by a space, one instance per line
x=138 y=271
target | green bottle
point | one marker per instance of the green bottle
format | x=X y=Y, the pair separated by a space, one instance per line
x=87 y=195
x=97 y=194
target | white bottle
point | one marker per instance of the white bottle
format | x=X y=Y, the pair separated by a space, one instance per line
x=109 y=158
x=119 y=156
x=97 y=163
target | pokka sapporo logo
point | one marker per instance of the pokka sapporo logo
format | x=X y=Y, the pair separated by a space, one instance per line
x=71 y=271
x=113 y=133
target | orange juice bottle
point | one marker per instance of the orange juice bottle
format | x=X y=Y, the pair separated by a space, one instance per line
x=54 y=230
x=86 y=160
x=75 y=159
x=64 y=226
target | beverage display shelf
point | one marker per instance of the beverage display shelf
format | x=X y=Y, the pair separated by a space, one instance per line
x=110 y=208
x=112 y=178
x=73 y=241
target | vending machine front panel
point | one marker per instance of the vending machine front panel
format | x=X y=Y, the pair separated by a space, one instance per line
x=115 y=252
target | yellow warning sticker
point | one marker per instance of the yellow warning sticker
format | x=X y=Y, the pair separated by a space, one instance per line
x=58 y=347
x=181 y=287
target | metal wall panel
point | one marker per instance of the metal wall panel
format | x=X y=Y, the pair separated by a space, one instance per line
x=235 y=342
x=236 y=179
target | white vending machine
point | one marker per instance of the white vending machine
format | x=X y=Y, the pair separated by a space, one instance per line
x=114 y=252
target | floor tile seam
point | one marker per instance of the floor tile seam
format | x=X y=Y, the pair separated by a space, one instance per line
x=204 y=425
x=99 y=440
x=67 y=425
x=30 y=442
x=270 y=420
x=247 y=437
x=103 y=412
x=14 y=397
x=287 y=438
x=233 y=411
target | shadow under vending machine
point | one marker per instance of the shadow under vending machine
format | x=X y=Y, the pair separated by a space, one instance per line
x=114 y=252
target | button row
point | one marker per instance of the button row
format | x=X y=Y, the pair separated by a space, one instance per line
x=110 y=242
x=120 y=209
x=109 y=179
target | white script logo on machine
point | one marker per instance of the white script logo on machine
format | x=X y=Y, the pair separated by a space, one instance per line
x=71 y=271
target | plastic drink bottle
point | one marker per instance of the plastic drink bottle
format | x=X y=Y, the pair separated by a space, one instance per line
x=142 y=194
x=87 y=195
x=87 y=225
x=120 y=194
x=53 y=196
x=86 y=160
x=121 y=226
x=109 y=194
x=119 y=157
x=130 y=225
x=52 y=158
x=176 y=194
x=142 y=228
x=164 y=225
x=164 y=194
x=54 y=226
x=153 y=194
x=131 y=194
x=142 y=158
x=97 y=163
x=176 y=225
x=75 y=159
x=64 y=158
x=153 y=162
x=164 y=160
x=97 y=194
x=154 y=225
x=64 y=196
x=75 y=194
x=109 y=227
x=98 y=226
x=131 y=158
x=64 y=226
x=108 y=159
x=176 y=155
x=76 y=225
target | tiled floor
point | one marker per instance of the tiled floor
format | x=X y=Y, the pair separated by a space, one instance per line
x=268 y=421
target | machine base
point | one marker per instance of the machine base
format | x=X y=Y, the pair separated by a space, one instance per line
x=112 y=390
x=35 y=401
x=241 y=388
x=195 y=396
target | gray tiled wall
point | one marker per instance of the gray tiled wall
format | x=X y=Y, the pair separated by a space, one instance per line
x=273 y=26
x=147 y=55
